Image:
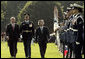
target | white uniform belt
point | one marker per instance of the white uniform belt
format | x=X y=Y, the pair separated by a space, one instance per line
x=65 y=30
x=75 y=30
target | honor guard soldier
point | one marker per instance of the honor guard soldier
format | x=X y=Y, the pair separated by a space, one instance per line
x=77 y=24
x=62 y=33
x=27 y=32
x=70 y=35
x=67 y=37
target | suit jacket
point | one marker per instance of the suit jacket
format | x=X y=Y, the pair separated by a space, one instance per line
x=13 y=34
x=42 y=36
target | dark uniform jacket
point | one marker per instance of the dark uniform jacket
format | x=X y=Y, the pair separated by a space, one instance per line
x=79 y=26
x=27 y=29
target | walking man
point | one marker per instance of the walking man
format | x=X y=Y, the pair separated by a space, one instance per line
x=12 y=35
x=42 y=36
x=27 y=32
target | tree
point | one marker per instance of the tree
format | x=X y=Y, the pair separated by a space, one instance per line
x=39 y=10
x=3 y=9
x=36 y=9
x=22 y=11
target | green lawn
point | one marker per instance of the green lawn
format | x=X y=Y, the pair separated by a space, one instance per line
x=51 y=52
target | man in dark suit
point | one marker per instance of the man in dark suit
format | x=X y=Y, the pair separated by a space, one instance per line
x=42 y=36
x=27 y=32
x=12 y=34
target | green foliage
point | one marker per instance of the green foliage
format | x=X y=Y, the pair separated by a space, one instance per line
x=3 y=9
x=2 y=15
x=3 y=5
x=40 y=10
x=23 y=10
x=36 y=9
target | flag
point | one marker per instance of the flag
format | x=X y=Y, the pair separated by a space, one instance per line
x=56 y=26
x=55 y=17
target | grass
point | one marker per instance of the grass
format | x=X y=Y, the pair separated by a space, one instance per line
x=51 y=52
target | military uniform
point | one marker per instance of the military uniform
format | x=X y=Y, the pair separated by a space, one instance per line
x=73 y=33
x=78 y=43
x=62 y=39
x=72 y=36
x=78 y=25
x=68 y=37
x=27 y=31
x=63 y=36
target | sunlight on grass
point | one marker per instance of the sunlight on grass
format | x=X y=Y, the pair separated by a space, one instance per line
x=51 y=52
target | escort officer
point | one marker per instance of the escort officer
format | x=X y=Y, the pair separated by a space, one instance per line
x=27 y=32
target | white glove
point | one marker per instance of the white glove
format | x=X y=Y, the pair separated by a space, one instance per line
x=7 y=37
x=33 y=39
x=66 y=46
x=21 y=36
x=77 y=43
